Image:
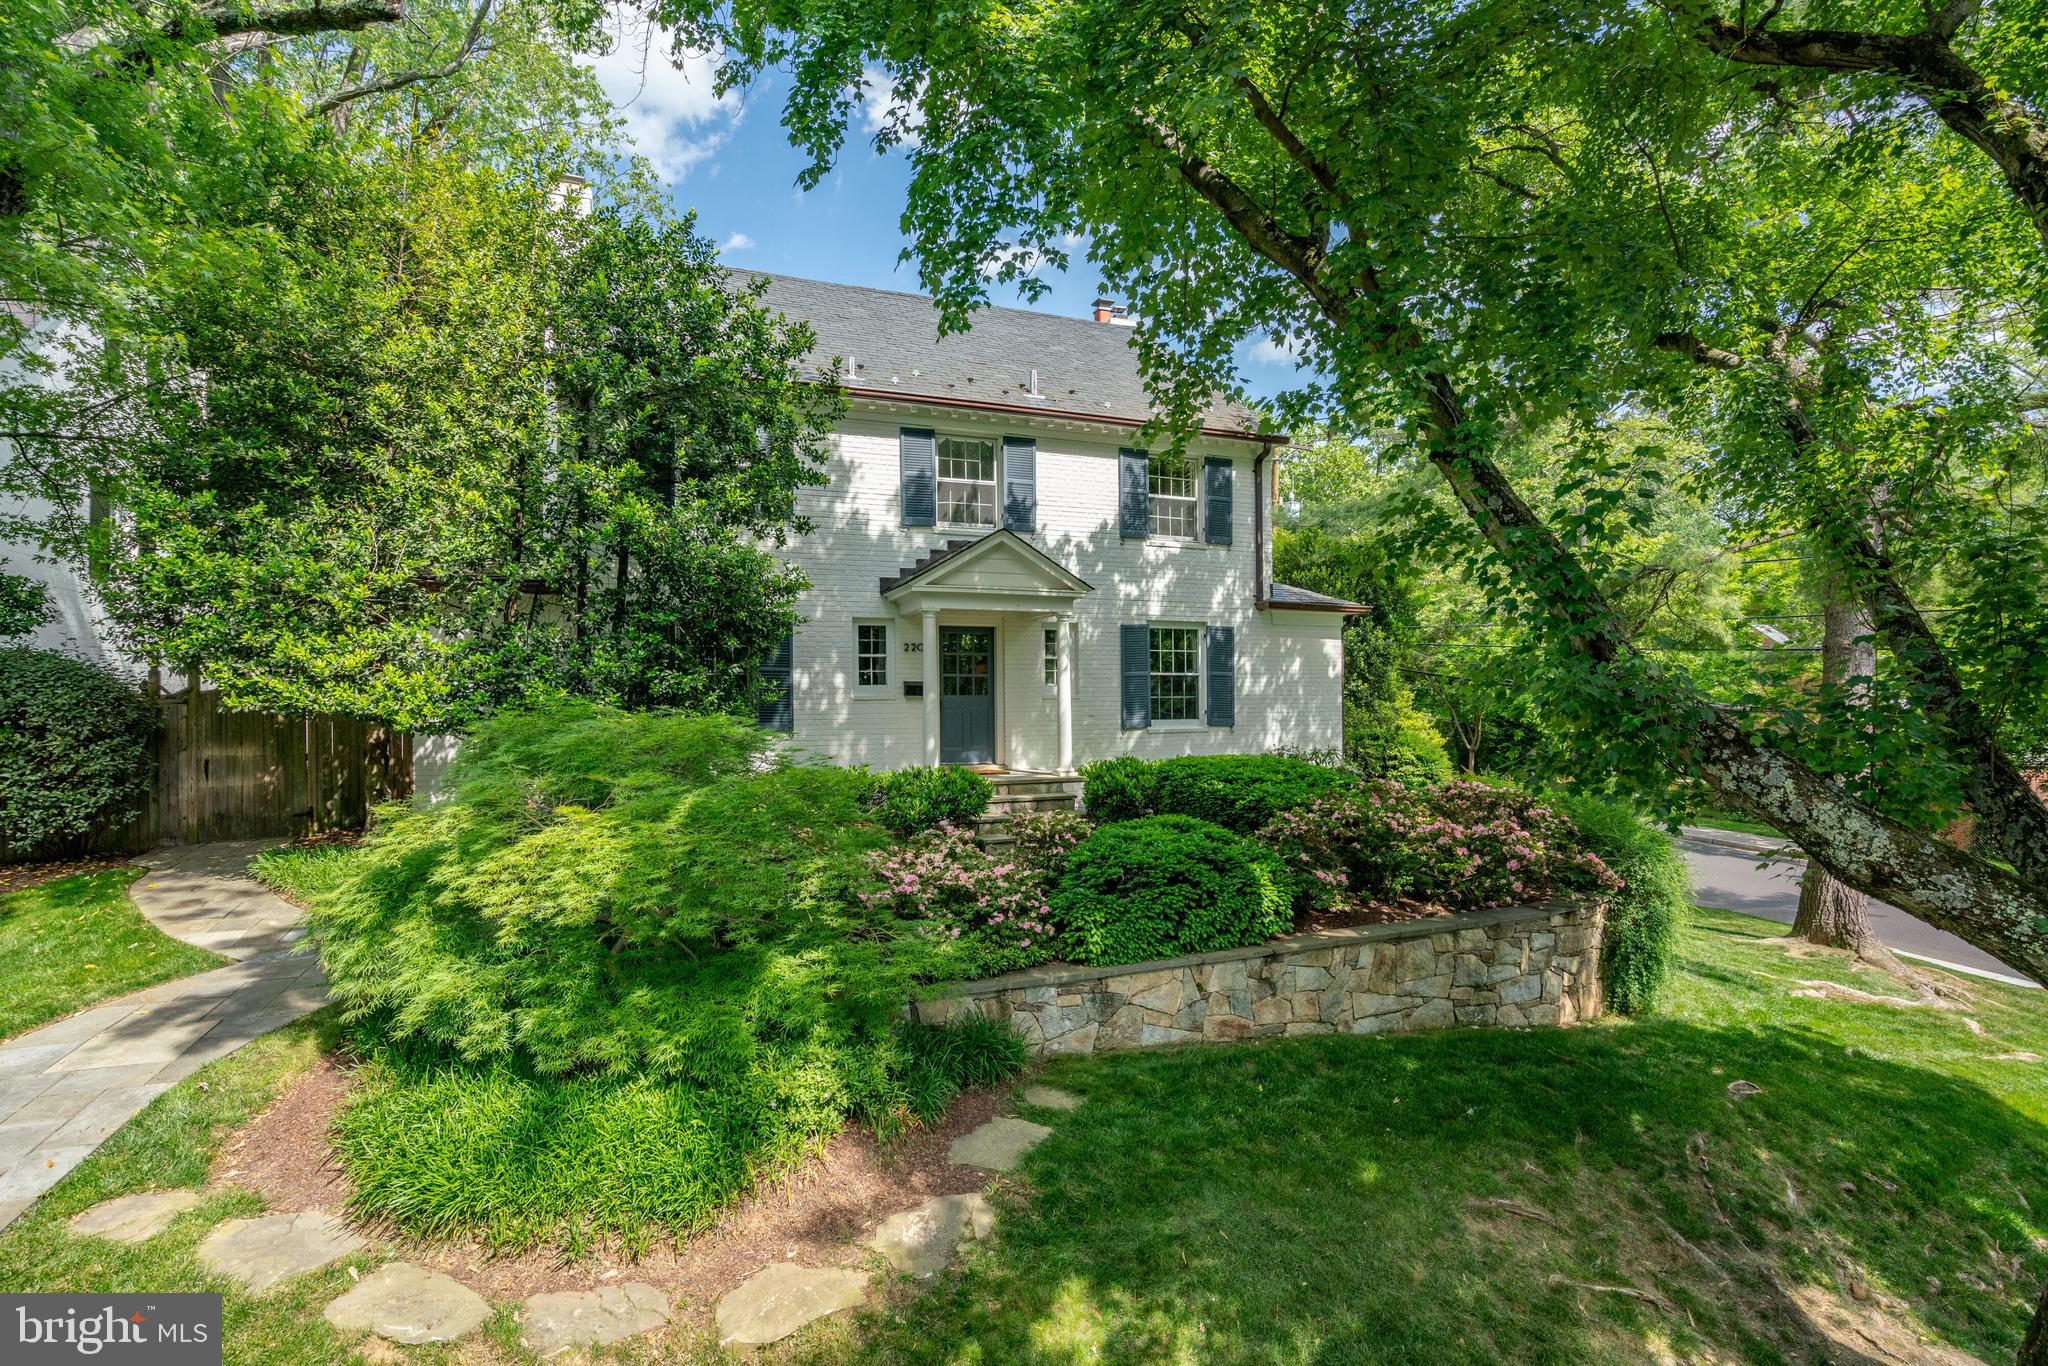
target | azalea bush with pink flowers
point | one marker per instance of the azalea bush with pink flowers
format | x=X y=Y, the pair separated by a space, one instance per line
x=1461 y=844
x=988 y=909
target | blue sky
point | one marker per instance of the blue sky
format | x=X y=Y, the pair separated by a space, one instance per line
x=730 y=160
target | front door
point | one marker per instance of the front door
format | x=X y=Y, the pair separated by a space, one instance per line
x=967 y=695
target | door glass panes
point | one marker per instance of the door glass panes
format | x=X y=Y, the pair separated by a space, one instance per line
x=967 y=481
x=965 y=662
x=1176 y=682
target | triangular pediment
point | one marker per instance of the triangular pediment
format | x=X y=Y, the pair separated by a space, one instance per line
x=1001 y=563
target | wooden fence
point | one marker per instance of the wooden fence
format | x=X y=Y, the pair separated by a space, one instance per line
x=224 y=775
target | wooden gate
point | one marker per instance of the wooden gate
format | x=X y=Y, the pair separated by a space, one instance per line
x=225 y=775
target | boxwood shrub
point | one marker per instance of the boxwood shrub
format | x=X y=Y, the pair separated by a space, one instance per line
x=1242 y=792
x=1120 y=789
x=913 y=799
x=1163 y=886
x=77 y=750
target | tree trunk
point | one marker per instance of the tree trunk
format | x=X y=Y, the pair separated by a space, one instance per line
x=2034 y=1347
x=1831 y=912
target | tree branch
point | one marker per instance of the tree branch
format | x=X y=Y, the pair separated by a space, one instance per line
x=385 y=84
x=1996 y=124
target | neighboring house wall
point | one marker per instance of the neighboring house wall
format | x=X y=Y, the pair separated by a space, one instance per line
x=1289 y=663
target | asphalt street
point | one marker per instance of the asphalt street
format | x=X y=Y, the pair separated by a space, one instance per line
x=1729 y=879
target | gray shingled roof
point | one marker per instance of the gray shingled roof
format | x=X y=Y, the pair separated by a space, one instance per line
x=1085 y=368
x=1286 y=595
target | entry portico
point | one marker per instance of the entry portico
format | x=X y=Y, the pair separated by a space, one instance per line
x=953 y=602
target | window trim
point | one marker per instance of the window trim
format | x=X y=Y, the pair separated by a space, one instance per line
x=994 y=482
x=887 y=687
x=1155 y=499
x=1200 y=671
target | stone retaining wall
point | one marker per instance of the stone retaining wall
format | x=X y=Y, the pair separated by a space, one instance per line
x=1522 y=965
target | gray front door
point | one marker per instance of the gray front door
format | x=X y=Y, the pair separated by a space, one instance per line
x=967 y=694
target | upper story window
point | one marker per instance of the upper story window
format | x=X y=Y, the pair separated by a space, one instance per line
x=1170 y=481
x=1176 y=673
x=967 y=481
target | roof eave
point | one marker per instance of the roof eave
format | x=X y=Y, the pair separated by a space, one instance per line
x=983 y=405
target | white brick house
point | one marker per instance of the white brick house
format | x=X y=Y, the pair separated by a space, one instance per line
x=999 y=577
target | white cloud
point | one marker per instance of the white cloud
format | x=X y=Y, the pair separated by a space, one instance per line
x=739 y=241
x=1267 y=351
x=881 y=109
x=673 y=114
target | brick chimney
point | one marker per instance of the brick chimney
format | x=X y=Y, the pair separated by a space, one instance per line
x=1105 y=309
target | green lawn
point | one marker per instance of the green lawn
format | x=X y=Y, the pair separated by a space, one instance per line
x=1715 y=820
x=1316 y=1200
x=77 y=941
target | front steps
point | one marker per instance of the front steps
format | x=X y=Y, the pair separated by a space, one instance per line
x=1016 y=792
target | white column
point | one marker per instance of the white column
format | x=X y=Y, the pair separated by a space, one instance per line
x=931 y=688
x=1064 y=671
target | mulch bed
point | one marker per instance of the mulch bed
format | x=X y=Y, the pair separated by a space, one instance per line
x=19 y=877
x=1352 y=917
x=818 y=1216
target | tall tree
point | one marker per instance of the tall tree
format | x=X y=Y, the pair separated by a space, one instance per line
x=1453 y=213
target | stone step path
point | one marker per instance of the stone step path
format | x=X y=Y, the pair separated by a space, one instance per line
x=411 y=1305
x=65 y=1088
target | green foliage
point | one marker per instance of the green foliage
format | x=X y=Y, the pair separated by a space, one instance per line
x=24 y=605
x=77 y=941
x=1162 y=886
x=908 y=800
x=620 y=931
x=1046 y=838
x=77 y=749
x=1241 y=792
x=1462 y=844
x=1120 y=789
x=1396 y=742
x=526 y=1160
x=987 y=911
x=1646 y=916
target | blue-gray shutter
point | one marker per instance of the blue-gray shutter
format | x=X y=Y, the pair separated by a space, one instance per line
x=1222 y=675
x=775 y=703
x=1134 y=500
x=920 y=477
x=1216 y=480
x=1020 y=484
x=1137 y=675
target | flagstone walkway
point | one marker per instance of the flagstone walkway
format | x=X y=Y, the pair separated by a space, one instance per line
x=65 y=1088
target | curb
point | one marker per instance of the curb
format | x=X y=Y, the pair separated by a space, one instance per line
x=1741 y=843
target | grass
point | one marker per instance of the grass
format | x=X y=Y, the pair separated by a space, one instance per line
x=169 y=1145
x=1716 y=820
x=1316 y=1200
x=75 y=942
x=1319 y=1200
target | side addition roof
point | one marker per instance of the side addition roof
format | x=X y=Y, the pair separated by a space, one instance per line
x=1086 y=370
x=1302 y=600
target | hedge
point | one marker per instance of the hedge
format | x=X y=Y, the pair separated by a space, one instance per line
x=1163 y=886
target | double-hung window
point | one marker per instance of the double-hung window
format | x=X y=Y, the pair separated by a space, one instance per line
x=1176 y=673
x=871 y=655
x=967 y=481
x=1170 y=484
